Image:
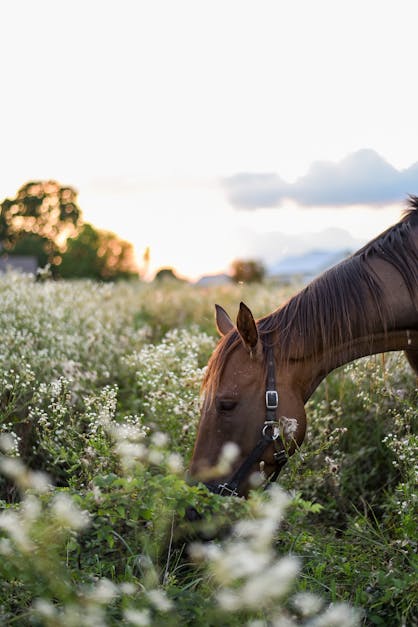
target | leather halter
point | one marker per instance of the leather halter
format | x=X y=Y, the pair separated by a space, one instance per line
x=270 y=434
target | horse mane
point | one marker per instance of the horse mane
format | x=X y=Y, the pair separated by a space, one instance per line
x=325 y=313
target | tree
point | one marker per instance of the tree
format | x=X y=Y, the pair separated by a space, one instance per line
x=33 y=245
x=99 y=255
x=247 y=271
x=39 y=220
x=167 y=274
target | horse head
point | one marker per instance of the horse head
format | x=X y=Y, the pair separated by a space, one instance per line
x=252 y=411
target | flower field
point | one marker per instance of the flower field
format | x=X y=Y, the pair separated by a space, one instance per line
x=99 y=406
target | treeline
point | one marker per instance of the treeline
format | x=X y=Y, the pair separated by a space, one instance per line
x=44 y=221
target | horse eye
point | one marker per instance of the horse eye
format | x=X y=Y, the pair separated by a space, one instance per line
x=226 y=404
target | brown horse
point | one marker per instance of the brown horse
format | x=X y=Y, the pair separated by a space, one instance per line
x=262 y=373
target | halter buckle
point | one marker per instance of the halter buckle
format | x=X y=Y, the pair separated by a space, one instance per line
x=272 y=399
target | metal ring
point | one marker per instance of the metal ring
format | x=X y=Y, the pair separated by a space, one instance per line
x=274 y=435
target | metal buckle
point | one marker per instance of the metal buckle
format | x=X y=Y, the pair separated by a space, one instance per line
x=223 y=488
x=272 y=399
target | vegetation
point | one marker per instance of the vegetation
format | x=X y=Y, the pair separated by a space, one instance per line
x=97 y=254
x=247 y=271
x=99 y=395
x=44 y=221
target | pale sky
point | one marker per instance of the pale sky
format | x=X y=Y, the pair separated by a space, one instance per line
x=201 y=128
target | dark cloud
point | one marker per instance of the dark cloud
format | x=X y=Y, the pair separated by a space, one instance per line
x=363 y=177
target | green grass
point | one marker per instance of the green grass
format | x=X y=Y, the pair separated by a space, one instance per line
x=99 y=405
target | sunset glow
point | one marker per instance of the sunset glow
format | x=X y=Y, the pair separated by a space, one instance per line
x=210 y=131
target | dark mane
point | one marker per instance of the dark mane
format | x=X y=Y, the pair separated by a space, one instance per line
x=338 y=301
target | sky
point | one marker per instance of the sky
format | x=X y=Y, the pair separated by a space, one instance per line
x=210 y=130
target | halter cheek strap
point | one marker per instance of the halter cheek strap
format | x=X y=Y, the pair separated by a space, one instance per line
x=270 y=435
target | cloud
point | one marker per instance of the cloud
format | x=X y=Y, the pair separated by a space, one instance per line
x=249 y=191
x=362 y=177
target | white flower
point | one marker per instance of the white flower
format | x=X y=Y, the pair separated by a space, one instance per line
x=230 y=452
x=307 y=603
x=175 y=463
x=127 y=588
x=68 y=514
x=140 y=618
x=238 y=560
x=12 y=523
x=289 y=425
x=130 y=452
x=160 y=439
x=155 y=457
x=272 y=583
x=160 y=600
x=103 y=592
x=337 y=615
x=283 y=621
x=6 y=548
x=229 y=600
x=31 y=509
x=13 y=467
x=44 y=608
x=39 y=481
x=8 y=443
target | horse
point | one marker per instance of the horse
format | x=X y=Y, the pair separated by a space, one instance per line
x=262 y=372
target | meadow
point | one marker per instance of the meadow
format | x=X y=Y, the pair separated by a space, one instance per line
x=99 y=406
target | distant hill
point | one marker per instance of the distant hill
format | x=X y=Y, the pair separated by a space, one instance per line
x=307 y=265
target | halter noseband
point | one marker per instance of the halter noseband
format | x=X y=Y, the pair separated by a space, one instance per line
x=270 y=434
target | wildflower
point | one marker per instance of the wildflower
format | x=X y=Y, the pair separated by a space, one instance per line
x=8 y=443
x=31 y=509
x=337 y=615
x=13 y=524
x=39 y=481
x=13 y=467
x=44 y=608
x=130 y=452
x=127 y=588
x=229 y=600
x=283 y=621
x=175 y=463
x=289 y=426
x=155 y=457
x=68 y=514
x=272 y=583
x=6 y=548
x=160 y=600
x=307 y=603
x=104 y=591
x=140 y=618
x=238 y=560
x=160 y=439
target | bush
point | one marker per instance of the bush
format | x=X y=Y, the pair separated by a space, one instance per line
x=99 y=407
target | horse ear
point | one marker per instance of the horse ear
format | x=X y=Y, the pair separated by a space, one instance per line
x=247 y=328
x=224 y=323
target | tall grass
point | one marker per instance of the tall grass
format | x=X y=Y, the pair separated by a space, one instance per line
x=99 y=404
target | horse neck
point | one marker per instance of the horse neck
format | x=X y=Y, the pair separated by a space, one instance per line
x=315 y=371
x=379 y=314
